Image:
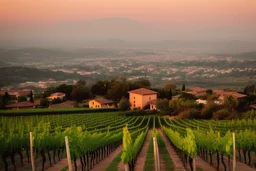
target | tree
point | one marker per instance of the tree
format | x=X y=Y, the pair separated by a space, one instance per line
x=2 y=102
x=143 y=83
x=66 y=89
x=118 y=89
x=250 y=89
x=31 y=97
x=230 y=102
x=169 y=86
x=56 y=101
x=209 y=92
x=80 y=93
x=44 y=102
x=81 y=82
x=221 y=114
x=22 y=99
x=170 y=94
x=183 y=87
x=100 y=88
x=162 y=104
x=124 y=104
x=48 y=91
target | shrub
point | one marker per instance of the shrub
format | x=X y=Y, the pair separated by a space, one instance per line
x=221 y=114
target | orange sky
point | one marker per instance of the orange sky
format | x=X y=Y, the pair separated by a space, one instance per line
x=171 y=12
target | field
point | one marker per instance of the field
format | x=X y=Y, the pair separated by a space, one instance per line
x=113 y=141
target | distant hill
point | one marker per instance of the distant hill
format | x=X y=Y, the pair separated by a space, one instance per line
x=16 y=75
x=246 y=55
x=3 y=64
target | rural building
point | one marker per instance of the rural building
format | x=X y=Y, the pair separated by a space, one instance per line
x=56 y=96
x=199 y=101
x=152 y=104
x=66 y=104
x=196 y=91
x=253 y=106
x=223 y=93
x=101 y=103
x=21 y=105
x=141 y=97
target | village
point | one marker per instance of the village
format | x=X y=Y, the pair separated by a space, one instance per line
x=170 y=100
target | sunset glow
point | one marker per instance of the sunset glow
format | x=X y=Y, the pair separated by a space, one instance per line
x=212 y=13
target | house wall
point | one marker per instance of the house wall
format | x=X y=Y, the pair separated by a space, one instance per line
x=55 y=97
x=140 y=101
x=147 y=98
x=152 y=107
x=135 y=100
x=94 y=104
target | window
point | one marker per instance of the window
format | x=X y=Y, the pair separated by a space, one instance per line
x=149 y=98
x=134 y=97
x=134 y=105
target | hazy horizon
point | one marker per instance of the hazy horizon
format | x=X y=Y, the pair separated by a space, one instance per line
x=81 y=23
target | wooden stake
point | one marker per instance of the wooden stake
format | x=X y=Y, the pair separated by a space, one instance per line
x=234 y=152
x=31 y=151
x=68 y=154
x=126 y=167
x=194 y=164
x=156 y=155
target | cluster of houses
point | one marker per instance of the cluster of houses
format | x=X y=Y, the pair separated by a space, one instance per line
x=139 y=98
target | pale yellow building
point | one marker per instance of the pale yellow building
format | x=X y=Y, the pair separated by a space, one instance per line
x=101 y=103
x=141 y=97
x=56 y=96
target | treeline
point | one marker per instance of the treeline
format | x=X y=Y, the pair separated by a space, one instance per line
x=114 y=89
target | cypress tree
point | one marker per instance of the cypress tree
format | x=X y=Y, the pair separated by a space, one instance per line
x=183 y=87
x=31 y=98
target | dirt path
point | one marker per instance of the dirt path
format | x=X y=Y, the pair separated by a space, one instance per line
x=162 y=164
x=58 y=166
x=106 y=162
x=120 y=166
x=139 y=165
x=175 y=158
x=200 y=163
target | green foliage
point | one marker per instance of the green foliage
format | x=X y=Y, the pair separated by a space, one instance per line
x=190 y=114
x=221 y=114
x=209 y=92
x=124 y=104
x=162 y=104
x=169 y=86
x=31 y=97
x=143 y=83
x=249 y=114
x=44 y=102
x=22 y=99
x=56 y=101
x=183 y=87
x=209 y=109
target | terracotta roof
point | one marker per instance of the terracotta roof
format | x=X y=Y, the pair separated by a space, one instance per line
x=37 y=102
x=21 y=104
x=65 y=104
x=219 y=92
x=235 y=94
x=143 y=91
x=153 y=102
x=103 y=101
x=253 y=106
x=198 y=89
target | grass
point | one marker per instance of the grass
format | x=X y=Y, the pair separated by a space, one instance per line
x=150 y=164
x=114 y=164
x=163 y=152
x=55 y=111
x=64 y=168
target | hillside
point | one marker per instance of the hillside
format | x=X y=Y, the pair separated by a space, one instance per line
x=15 y=75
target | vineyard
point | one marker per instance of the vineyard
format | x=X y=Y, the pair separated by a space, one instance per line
x=93 y=137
